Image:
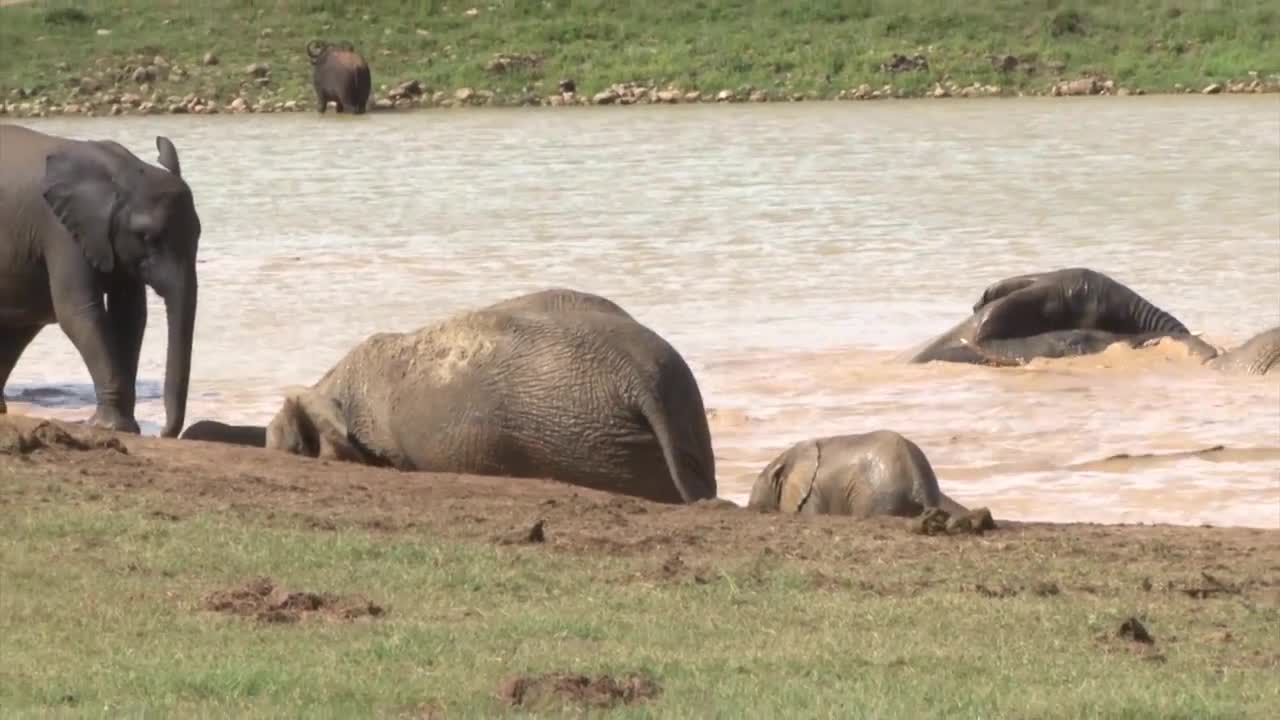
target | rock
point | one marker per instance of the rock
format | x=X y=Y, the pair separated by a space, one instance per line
x=1109 y=87
x=383 y=104
x=939 y=91
x=506 y=62
x=464 y=95
x=89 y=85
x=1213 y=89
x=177 y=109
x=238 y=105
x=484 y=97
x=863 y=92
x=144 y=74
x=116 y=110
x=438 y=97
x=408 y=88
x=901 y=63
x=692 y=96
x=104 y=31
x=291 y=106
x=758 y=96
x=258 y=70
x=567 y=85
x=71 y=109
x=725 y=96
x=262 y=81
x=1082 y=86
x=209 y=59
x=608 y=96
x=667 y=96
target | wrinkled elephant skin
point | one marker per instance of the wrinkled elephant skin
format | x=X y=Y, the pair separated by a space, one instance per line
x=863 y=475
x=546 y=385
x=85 y=227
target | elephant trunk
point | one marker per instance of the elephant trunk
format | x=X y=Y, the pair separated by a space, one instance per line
x=1151 y=319
x=180 y=306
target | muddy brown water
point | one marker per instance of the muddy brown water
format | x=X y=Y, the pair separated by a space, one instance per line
x=791 y=252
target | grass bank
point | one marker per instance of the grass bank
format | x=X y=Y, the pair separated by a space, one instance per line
x=128 y=587
x=95 y=55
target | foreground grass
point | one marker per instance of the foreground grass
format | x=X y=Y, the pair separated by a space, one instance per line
x=817 y=48
x=101 y=615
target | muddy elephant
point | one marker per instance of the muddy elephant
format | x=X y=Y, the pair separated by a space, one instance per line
x=1063 y=313
x=1260 y=355
x=862 y=475
x=85 y=227
x=214 y=431
x=544 y=385
x=339 y=74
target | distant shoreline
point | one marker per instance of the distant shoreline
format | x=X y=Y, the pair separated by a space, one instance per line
x=152 y=57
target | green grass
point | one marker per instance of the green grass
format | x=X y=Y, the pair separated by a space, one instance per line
x=100 y=615
x=816 y=47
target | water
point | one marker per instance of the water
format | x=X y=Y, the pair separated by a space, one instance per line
x=790 y=252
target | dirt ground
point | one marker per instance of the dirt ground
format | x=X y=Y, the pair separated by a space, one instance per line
x=176 y=478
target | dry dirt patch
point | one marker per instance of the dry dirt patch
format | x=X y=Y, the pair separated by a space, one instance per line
x=266 y=601
x=599 y=691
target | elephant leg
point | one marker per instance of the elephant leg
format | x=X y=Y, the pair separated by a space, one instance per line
x=77 y=303
x=127 y=316
x=12 y=342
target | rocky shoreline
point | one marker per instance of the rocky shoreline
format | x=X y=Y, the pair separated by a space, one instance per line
x=154 y=85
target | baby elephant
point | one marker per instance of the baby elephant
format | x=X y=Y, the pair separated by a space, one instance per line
x=555 y=384
x=339 y=74
x=875 y=473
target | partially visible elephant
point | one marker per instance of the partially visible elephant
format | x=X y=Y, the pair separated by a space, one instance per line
x=522 y=388
x=214 y=431
x=339 y=74
x=1067 y=299
x=1260 y=355
x=85 y=227
x=1062 y=313
x=863 y=475
x=559 y=299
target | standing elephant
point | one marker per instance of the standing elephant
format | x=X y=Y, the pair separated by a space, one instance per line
x=80 y=220
x=863 y=475
x=545 y=385
x=339 y=74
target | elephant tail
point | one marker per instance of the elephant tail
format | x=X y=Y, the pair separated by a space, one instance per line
x=685 y=443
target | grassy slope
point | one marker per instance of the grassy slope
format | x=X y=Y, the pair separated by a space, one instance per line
x=820 y=46
x=100 y=615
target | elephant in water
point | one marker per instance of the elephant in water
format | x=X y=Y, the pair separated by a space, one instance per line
x=340 y=75
x=863 y=475
x=1260 y=355
x=1063 y=313
x=554 y=384
x=85 y=227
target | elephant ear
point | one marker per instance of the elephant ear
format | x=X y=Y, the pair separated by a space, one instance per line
x=331 y=435
x=168 y=155
x=799 y=478
x=85 y=200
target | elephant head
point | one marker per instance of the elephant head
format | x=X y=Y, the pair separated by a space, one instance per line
x=135 y=221
x=312 y=425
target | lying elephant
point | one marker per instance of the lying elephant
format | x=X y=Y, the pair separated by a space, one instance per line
x=875 y=473
x=542 y=385
x=340 y=75
x=1068 y=299
x=214 y=431
x=1063 y=313
x=1258 y=356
